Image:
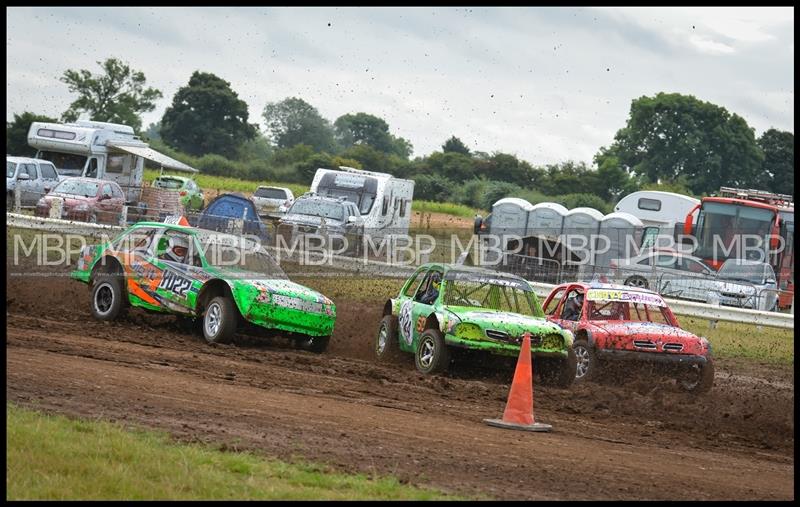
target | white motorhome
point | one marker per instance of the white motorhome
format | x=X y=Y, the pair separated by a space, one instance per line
x=383 y=200
x=659 y=211
x=102 y=150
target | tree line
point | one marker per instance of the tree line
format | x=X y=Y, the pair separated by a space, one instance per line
x=670 y=142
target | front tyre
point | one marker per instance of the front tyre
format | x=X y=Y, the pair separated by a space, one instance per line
x=387 y=347
x=108 y=297
x=698 y=378
x=637 y=281
x=586 y=364
x=219 y=321
x=432 y=355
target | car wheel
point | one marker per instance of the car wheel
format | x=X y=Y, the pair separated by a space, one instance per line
x=558 y=372
x=586 y=364
x=316 y=344
x=432 y=354
x=697 y=378
x=219 y=320
x=108 y=296
x=636 y=281
x=387 y=346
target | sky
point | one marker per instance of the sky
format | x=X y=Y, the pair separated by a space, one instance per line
x=547 y=84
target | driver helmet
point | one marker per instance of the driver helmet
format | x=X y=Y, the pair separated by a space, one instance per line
x=436 y=280
x=177 y=248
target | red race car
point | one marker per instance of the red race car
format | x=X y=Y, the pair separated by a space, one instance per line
x=620 y=322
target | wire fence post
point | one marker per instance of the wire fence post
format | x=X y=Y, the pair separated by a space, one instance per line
x=123 y=216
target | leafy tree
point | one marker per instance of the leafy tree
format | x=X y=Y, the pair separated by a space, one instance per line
x=17 y=133
x=496 y=190
x=363 y=128
x=455 y=145
x=118 y=95
x=428 y=187
x=777 y=174
x=294 y=121
x=673 y=135
x=257 y=148
x=296 y=154
x=207 y=116
x=455 y=166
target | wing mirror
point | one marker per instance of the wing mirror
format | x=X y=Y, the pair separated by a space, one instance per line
x=23 y=176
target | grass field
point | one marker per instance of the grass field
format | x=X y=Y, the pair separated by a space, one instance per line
x=223 y=184
x=446 y=208
x=56 y=458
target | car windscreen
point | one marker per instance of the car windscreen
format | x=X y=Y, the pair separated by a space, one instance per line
x=239 y=257
x=358 y=189
x=270 y=193
x=11 y=169
x=77 y=187
x=168 y=183
x=318 y=208
x=477 y=291
x=66 y=161
x=750 y=273
x=626 y=311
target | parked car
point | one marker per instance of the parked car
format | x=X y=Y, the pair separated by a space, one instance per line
x=619 y=322
x=225 y=211
x=747 y=284
x=334 y=218
x=668 y=272
x=272 y=201
x=86 y=200
x=443 y=306
x=31 y=176
x=222 y=280
x=192 y=198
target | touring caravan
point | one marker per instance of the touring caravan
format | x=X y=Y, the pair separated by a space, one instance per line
x=661 y=213
x=102 y=150
x=383 y=200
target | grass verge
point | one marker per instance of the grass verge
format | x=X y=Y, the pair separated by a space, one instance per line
x=54 y=457
x=223 y=184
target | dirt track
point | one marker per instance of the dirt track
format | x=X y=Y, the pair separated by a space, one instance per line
x=643 y=439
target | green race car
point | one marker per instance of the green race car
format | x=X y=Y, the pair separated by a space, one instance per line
x=191 y=196
x=224 y=281
x=444 y=306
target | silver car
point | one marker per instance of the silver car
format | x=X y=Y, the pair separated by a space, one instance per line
x=273 y=201
x=31 y=177
x=668 y=272
x=747 y=284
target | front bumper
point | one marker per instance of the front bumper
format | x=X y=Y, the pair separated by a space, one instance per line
x=503 y=349
x=650 y=357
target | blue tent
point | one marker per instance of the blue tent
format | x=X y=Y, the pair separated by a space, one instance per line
x=220 y=212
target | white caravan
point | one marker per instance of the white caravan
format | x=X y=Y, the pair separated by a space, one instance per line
x=659 y=212
x=93 y=149
x=383 y=200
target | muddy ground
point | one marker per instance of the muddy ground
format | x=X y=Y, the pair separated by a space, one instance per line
x=633 y=438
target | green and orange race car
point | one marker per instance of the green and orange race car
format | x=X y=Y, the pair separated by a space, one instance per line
x=223 y=280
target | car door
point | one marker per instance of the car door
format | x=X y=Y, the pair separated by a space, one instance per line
x=105 y=204
x=405 y=315
x=420 y=311
x=49 y=176
x=174 y=289
x=29 y=188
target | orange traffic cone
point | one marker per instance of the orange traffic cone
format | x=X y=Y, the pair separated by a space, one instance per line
x=518 y=414
x=182 y=221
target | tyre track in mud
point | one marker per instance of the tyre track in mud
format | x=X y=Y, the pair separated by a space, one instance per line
x=640 y=440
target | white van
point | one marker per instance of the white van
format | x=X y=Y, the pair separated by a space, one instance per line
x=659 y=212
x=383 y=200
x=102 y=150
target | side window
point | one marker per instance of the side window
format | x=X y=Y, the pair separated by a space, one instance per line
x=176 y=246
x=91 y=170
x=138 y=240
x=553 y=303
x=411 y=288
x=385 y=205
x=107 y=191
x=48 y=172
x=690 y=265
x=665 y=261
x=116 y=192
x=29 y=169
x=646 y=261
